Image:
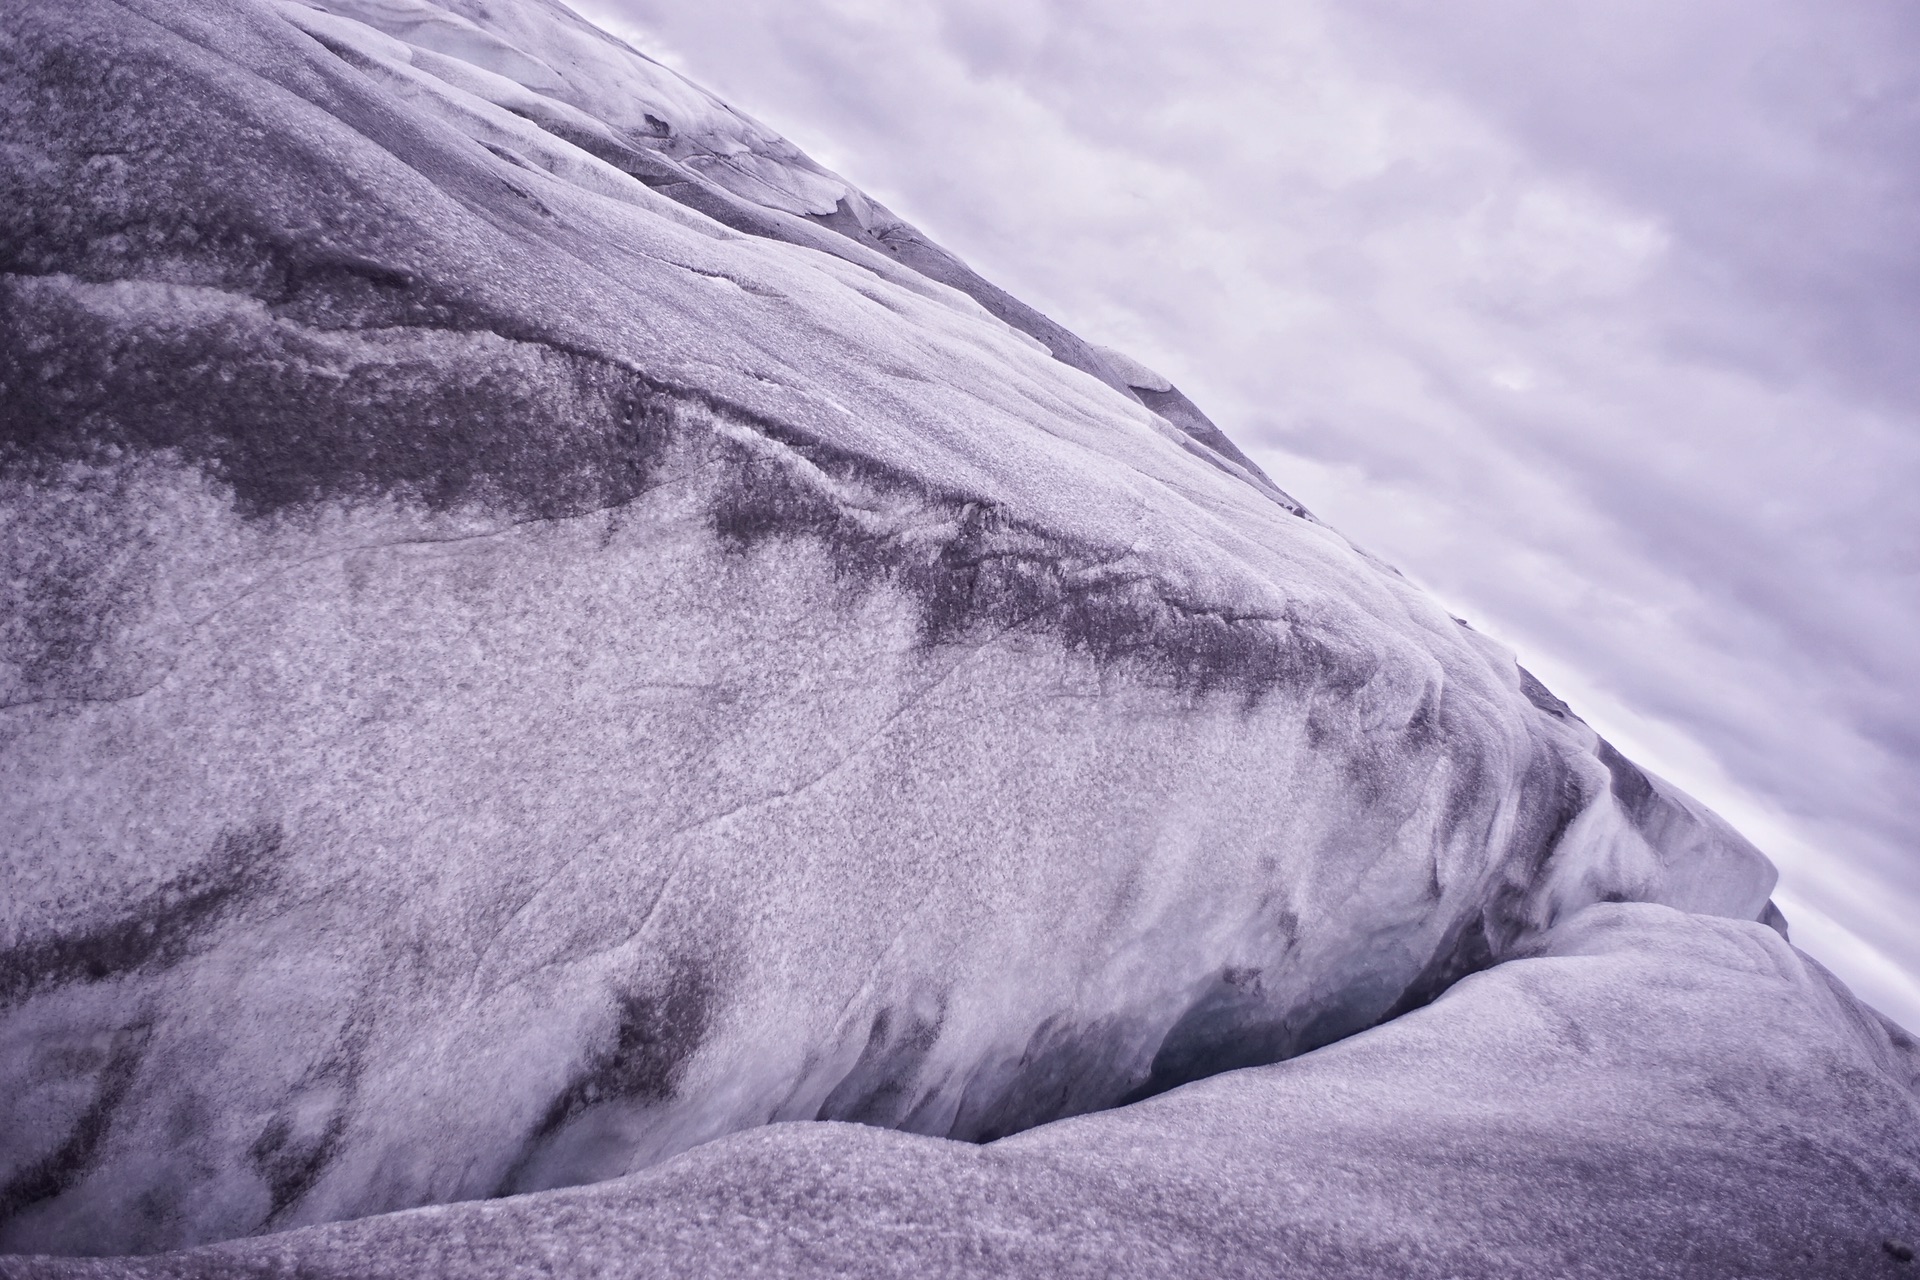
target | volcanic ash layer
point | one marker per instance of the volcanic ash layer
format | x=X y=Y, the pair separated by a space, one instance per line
x=542 y=630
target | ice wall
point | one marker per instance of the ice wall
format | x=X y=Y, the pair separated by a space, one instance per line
x=514 y=669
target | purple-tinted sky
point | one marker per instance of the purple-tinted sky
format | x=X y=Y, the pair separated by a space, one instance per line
x=1601 y=319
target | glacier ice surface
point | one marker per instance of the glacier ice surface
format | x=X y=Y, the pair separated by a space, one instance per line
x=543 y=630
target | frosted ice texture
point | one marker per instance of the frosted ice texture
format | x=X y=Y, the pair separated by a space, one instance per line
x=1654 y=1094
x=544 y=629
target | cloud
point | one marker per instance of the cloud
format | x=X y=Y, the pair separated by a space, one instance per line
x=1596 y=318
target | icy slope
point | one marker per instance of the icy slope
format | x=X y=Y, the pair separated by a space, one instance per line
x=515 y=669
x=533 y=83
x=1656 y=1095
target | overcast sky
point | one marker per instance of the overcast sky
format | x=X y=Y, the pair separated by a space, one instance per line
x=1601 y=319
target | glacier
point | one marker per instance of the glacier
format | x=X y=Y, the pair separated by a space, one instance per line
x=551 y=642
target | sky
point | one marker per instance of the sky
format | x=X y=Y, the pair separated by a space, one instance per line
x=1599 y=319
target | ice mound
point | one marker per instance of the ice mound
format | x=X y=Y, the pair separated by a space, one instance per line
x=543 y=629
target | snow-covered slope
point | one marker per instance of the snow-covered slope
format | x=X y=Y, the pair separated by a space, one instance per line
x=542 y=629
